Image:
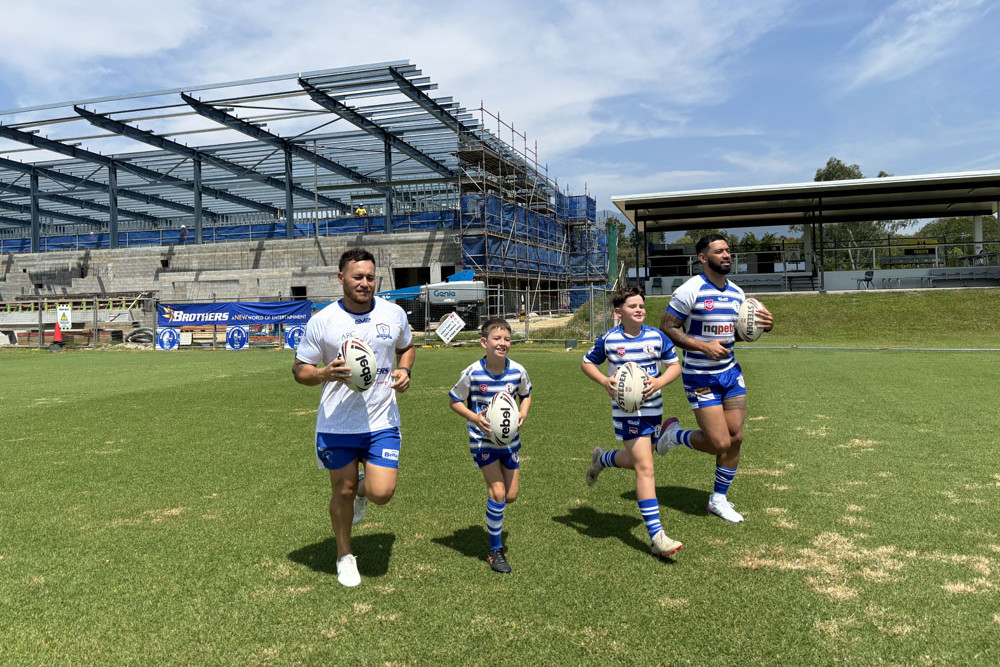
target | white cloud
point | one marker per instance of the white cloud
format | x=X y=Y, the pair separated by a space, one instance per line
x=545 y=66
x=908 y=37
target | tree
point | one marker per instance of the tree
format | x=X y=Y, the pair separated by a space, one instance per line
x=835 y=170
x=853 y=236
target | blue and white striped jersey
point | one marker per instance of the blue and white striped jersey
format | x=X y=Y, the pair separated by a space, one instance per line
x=708 y=314
x=477 y=386
x=649 y=349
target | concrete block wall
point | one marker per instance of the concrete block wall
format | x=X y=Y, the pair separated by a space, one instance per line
x=243 y=270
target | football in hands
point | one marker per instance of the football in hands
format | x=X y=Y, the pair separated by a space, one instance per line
x=503 y=417
x=630 y=381
x=746 y=320
x=361 y=361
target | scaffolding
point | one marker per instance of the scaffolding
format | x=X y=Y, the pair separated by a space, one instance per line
x=293 y=156
x=517 y=227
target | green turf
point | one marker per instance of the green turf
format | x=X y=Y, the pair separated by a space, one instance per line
x=165 y=508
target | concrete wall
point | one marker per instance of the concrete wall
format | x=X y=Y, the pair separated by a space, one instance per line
x=245 y=270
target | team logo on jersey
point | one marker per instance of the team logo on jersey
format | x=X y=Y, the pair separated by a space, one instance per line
x=382 y=331
x=483 y=388
x=649 y=348
x=709 y=304
x=621 y=350
x=509 y=388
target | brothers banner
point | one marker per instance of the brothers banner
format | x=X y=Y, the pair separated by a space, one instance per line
x=233 y=313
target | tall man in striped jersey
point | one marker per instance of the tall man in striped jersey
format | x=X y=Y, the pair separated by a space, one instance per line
x=634 y=341
x=701 y=319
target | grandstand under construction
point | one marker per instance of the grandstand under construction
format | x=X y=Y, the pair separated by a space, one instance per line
x=307 y=163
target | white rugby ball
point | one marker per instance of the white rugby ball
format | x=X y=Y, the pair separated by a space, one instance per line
x=746 y=320
x=361 y=361
x=503 y=416
x=629 y=384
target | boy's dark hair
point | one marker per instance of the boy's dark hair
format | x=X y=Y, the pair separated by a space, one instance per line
x=622 y=295
x=494 y=323
x=704 y=242
x=355 y=255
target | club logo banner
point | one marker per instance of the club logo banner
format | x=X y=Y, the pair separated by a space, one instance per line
x=237 y=337
x=233 y=313
x=167 y=339
x=293 y=335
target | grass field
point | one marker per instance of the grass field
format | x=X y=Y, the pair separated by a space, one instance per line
x=165 y=508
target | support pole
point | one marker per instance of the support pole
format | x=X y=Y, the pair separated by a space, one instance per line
x=388 y=191
x=289 y=201
x=36 y=223
x=198 y=217
x=113 y=206
x=977 y=234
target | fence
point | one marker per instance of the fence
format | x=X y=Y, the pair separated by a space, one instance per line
x=579 y=313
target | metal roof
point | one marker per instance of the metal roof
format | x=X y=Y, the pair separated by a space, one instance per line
x=887 y=198
x=332 y=127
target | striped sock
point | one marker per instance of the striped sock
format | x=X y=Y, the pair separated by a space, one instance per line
x=684 y=438
x=494 y=522
x=723 y=479
x=608 y=459
x=650 y=511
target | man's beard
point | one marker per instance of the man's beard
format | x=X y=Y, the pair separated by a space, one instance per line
x=718 y=268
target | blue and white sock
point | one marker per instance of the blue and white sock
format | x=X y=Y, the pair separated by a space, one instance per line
x=723 y=479
x=494 y=522
x=650 y=511
x=608 y=458
x=684 y=438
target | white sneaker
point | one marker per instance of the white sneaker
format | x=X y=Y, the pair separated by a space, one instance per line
x=722 y=508
x=664 y=546
x=360 y=503
x=595 y=467
x=667 y=440
x=347 y=571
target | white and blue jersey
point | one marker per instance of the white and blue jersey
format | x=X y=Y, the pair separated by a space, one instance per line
x=385 y=328
x=477 y=386
x=649 y=349
x=708 y=313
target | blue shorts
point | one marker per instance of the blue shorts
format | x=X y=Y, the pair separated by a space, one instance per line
x=381 y=448
x=509 y=460
x=704 y=390
x=632 y=428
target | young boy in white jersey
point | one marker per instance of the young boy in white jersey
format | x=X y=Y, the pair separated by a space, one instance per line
x=500 y=464
x=701 y=319
x=634 y=341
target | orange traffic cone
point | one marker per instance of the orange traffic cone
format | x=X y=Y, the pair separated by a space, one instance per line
x=57 y=337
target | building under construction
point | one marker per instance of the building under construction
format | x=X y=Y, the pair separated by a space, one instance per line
x=305 y=163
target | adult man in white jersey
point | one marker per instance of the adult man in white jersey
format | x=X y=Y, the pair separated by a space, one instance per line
x=701 y=319
x=352 y=426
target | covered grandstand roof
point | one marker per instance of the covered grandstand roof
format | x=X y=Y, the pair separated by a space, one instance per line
x=317 y=142
x=888 y=198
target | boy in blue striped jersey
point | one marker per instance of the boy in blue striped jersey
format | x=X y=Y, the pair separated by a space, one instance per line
x=500 y=464
x=634 y=341
x=701 y=319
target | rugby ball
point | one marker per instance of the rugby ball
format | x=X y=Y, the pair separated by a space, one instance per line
x=746 y=320
x=361 y=361
x=503 y=417
x=630 y=381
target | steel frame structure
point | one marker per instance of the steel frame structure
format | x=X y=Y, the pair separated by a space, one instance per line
x=297 y=147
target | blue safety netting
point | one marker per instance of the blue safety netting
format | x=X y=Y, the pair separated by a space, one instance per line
x=245 y=232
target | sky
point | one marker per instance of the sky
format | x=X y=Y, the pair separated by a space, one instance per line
x=621 y=98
